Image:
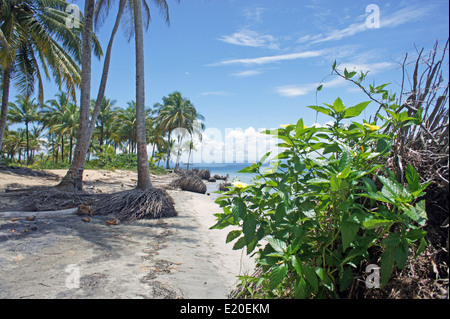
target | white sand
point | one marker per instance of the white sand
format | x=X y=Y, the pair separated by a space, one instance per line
x=170 y=258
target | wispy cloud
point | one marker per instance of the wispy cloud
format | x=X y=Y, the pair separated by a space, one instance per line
x=253 y=14
x=251 y=38
x=392 y=20
x=272 y=58
x=246 y=73
x=299 y=90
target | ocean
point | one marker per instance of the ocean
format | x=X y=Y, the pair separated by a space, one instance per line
x=231 y=169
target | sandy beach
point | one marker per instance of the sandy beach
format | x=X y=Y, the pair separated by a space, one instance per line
x=58 y=255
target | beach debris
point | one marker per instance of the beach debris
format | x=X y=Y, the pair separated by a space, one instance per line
x=129 y=205
x=86 y=219
x=30 y=218
x=84 y=209
x=190 y=183
x=14 y=219
x=115 y=221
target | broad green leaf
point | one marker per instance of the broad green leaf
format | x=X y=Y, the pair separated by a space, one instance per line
x=413 y=178
x=335 y=183
x=320 y=109
x=348 y=231
x=344 y=174
x=370 y=185
x=277 y=244
x=239 y=244
x=355 y=110
x=383 y=145
x=392 y=189
x=401 y=255
x=249 y=228
x=325 y=279
x=310 y=276
x=387 y=264
x=417 y=213
x=346 y=160
x=345 y=278
x=338 y=106
x=301 y=290
x=375 y=223
x=232 y=235
x=277 y=275
x=239 y=209
x=415 y=234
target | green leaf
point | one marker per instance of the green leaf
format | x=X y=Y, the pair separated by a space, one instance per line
x=383 y=145
x=239 y=209
x=310 y=276
x=387 y=264
x=392 y=189
x=355 y=110
x=375 y=223
x=346 y=160
x=320 y=109
x=249 y=228
x=338 y=106
x=417 y=213
x=277 y=244
x=301 y=290
x=415 y=234
x=319 y=87
x=232 y=235
x=322 y=274
x=348 y=231
x=277 y=275
x=345 y=278
x=413 y=178
x=370 y=185
x=239 y=244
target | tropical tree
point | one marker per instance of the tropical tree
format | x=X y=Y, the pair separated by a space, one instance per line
x=178 y=113
x=106 y=120
x=61 y=116
x=25 y=110
x=33 y=31
x=75 y=174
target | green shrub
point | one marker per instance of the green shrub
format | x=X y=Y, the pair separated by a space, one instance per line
x=327 y=202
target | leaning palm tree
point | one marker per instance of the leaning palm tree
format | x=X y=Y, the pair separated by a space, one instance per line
x=25 y=110
x=33 y=31
x=75 y=174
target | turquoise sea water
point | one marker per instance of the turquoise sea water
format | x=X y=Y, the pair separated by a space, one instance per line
x=222 y=170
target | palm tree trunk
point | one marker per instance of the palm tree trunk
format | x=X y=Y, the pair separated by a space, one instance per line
x=168 y=150
x=5 y=98
x=79 y=165
x=28 y=143
x=74 y=176
x=143 y=172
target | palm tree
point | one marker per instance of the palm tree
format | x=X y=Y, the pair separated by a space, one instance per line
x=75 y=173
x=178 y=113
x=62 y=117
x=105 y=119
x=25 y=110
x=32 y=30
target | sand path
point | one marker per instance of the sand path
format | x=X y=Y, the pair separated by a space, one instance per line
x=57 y=255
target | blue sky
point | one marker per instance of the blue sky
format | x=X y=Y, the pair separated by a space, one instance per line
x=251 y=64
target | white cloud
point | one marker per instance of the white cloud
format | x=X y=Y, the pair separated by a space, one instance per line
x=233 y=145
x=394 y=19
x=246 y=73
x=253 y=14
x=251 y=38
x=272 y=58
x=299 y=90
x=364 y=67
